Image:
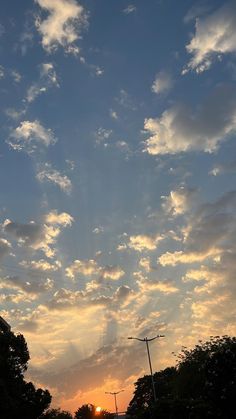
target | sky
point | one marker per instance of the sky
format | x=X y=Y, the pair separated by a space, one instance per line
x=117 y=180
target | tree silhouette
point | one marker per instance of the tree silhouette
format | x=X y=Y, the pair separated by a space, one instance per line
x=88 y=411
x=56 y=414
x=18 y=399
x=202 y=385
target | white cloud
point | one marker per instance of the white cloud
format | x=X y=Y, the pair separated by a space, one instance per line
x=84 y=267
x=2 y=72
x=28 y=135
x=215 y=35
x=54 y=176
x=31 y=286
x=61 y=219
x=144 y=242
x=48 y=78
x=39 y=236
x=41 y=265
x=103 y=135
x=221 y=169
x=112 y=272
x=179 y=129
x=145 y=263
x=180 y=201
x=130 y=9
x=209 y=232
x=5 y=247
x=63 y=25
x=162 y=83
x=16 y=76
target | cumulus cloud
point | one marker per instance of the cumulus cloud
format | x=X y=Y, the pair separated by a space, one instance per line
x=40 y=236
x=208 y=233
x=112 y=272
x=32 y=285
x=41 y=265
x=145 y=263
x=62 y=27
x=84 y=267
x=48 y=174
x=144 y=242
x=30 y=135
x=61 y=219
x=215 y=35
x=90 y=267
x=180 y=129
x=180 y=201
x=162 y=83
x=164 y=286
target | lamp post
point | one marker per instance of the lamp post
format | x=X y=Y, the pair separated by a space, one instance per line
x=115 y=394
x=146 y=340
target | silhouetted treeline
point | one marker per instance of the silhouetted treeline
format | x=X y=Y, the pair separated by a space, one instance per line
x=202 y=385
x=18 y=398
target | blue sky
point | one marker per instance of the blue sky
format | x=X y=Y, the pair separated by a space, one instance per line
x=117 y=180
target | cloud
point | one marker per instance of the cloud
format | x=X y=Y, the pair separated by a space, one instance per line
x=63 y=25
x=225 y=168
x=145 y=263
x=33 y=285
x=112 y=272
x=62 y=219
x=2 y=72
x=84 y=267
x=16 y=76
x=209 y=232
x=49 y=174
x=143 y=242
x=164 y=286
x=180 y=129
x=41 y=265
x=102 y=135
x=5 y=248
x=215 y=35
x=40 y=236
x=29 y=135
x=130 y=9
x=90 y=267
x=48 y=78
x=162 y=83
x=180 y=201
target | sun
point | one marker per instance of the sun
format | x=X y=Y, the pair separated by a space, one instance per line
x=98 y=409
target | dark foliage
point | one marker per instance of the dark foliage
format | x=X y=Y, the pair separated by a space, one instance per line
x=19 y=399
x=202 y=385
x=56 y=414
x=88 y=411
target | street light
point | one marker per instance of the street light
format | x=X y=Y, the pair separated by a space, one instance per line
x=149 y=359
x=115 y=394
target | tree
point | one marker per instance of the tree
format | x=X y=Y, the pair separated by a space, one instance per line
x=56 y=414
x=18 y=399
x=202 y=385
x=88 y=411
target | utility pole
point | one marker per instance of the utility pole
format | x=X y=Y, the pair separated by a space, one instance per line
x=146 y=340
x=115 y=399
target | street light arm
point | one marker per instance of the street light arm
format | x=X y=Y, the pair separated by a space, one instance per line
x=141 y=340
x=158 y=336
